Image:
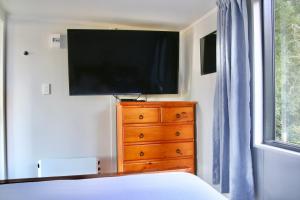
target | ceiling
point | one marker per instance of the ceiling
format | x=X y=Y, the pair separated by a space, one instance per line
x=172 y=14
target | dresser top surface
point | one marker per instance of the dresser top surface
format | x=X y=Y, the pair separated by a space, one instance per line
x=158 y=103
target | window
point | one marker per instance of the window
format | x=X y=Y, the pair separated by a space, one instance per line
x=282 y=73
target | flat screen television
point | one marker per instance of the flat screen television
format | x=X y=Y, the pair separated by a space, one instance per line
x=208 y=53
x=103 y=62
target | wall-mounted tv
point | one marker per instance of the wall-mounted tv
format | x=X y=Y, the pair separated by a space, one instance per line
x=103 y=62
x=208 y=53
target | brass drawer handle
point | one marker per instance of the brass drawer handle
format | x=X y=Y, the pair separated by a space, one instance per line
x=142 y=153
x=178 y=115
x=141 y=136
x=178 y=151
x=177 y=133
x=141 y=117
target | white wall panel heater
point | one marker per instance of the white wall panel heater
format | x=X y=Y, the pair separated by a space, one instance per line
x=68 y=166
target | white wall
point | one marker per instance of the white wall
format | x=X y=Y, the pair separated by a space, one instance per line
x=202 y=89
x=54 y=126
x=2 y=94
x=57 y=125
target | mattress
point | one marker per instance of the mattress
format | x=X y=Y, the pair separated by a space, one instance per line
x=158 y=186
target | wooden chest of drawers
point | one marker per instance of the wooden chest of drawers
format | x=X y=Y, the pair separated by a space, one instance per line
x=155 y=136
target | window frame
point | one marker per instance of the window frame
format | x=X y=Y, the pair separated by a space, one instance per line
x=269 y=78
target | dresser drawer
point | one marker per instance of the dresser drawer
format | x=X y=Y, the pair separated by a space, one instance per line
x=141 y=115
x=158 y=151
x=160 y=165
x=158 y=133
x=178 y=114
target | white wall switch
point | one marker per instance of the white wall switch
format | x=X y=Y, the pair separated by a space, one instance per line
x=46 y=89
x=55 y=40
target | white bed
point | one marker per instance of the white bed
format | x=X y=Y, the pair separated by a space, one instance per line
x=160 y=186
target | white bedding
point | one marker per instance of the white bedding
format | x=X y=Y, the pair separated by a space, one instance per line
x=160 y=186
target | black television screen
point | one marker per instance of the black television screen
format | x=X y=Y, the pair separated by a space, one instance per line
x=208 y=54
x=122 y=62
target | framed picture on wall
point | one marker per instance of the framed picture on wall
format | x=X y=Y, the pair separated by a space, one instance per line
x=208 y=58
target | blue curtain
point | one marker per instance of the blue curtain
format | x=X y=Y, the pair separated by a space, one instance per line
x=232 y=162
